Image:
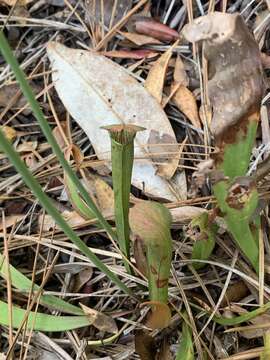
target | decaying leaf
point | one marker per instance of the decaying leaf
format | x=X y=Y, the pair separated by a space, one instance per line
x=186 y=102
x=107 y=12
x=99 y=98
x=101 y=321
x=145 y=345
x=235 y=70
x=156 y=76
x=148 y=26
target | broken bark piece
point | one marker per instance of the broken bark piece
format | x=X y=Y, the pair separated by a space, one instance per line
x=236 y=83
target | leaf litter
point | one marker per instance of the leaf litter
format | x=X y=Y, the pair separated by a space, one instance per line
x=163 y=169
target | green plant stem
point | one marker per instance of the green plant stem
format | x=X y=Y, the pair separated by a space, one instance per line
x=122 y=156
x=28 y=93
x=44 y=200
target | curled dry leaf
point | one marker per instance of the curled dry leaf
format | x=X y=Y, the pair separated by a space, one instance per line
x=235 y=70
x=148 y=26
x=98 y=98
x=101 y=321
x=156 y=76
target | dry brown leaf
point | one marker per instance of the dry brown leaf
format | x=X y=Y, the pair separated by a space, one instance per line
x=100 y=321
x=140 y=39
x=160 y=315
x=58 y=135
x=9 y=132
x=236 y=83
x=72 y=218
x=81 y=278
x=180 y=76
x=184 y=214
x=186 y=102
x=156 y=76
x=145 y=345
x=130 y=54
x=10 y=221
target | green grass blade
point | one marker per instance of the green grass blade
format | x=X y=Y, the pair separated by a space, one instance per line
x=242 y=318
x=28 y=93
x=41 y=322
x=44 y=200
x=77 y=202
x=185 y=350
x=21 y=282
x=122 y=155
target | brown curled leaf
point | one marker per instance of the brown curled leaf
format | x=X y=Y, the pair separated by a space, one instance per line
x=148 y=26
x=235 y=70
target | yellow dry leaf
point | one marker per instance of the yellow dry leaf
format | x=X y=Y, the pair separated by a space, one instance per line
x=180 y=76
x=9 y=132
x=105 y=196
x=156 y=77
x=186 y=102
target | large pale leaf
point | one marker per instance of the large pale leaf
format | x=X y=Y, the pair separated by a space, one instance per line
x=98 y=92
